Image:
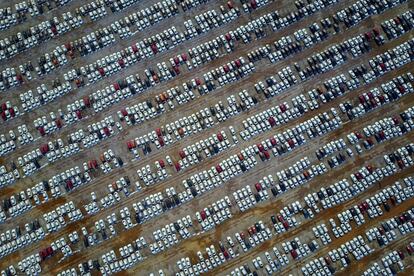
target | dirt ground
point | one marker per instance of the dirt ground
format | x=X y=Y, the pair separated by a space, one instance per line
x=240 y=221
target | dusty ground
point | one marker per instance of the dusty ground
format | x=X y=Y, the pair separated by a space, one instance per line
x=240 y=221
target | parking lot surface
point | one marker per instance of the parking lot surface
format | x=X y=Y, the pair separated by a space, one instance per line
x=188 y=137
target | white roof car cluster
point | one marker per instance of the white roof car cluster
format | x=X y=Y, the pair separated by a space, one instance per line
x=289 y=121
x=387 y=261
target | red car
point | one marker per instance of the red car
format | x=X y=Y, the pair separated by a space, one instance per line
x=294 y=254
x=131 y=144
x=410 y=249
x=182 y=154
